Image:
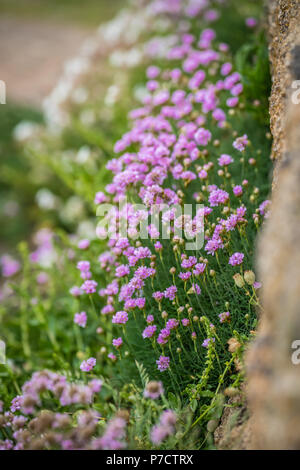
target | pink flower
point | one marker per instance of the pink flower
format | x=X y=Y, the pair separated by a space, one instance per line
x=153 y=72
x=264 y=207
x=112 y=357
x=76 y=291
x=202 y=174
x=83 y=266
x=224 y=317
x=163 y=336
x=241 y=142
x=225 y=160
x=122 y=270
x=251 y=22
x=170 y=292
x=80 y=319
x=117 y=342
x=226 y=68
x=163 y=363
x=42 y=278
x=83 y=244
x=172 y=323
x=120 y=318
x=9 y=266
x=232 y=102
x=196 y=288
x=153 y=390
x=95 y=385
x=89 y=286
x=165 y=427
x=158 y=246
x=185 y=276
x=236 y=259
x=100 y=198
x=238 y=190
x=199 y=269
x=88 y=365
x=149 y=331
x=202 y=136
x=150 y=319
x=218 y=196
x=207 y=341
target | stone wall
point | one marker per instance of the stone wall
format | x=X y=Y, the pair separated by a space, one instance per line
x=274 y=381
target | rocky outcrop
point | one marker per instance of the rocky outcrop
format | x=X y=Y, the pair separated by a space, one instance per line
x=274 y=380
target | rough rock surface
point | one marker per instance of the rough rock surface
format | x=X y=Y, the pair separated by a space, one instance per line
x=234 y=431
x=284 y=27
x=274 y=381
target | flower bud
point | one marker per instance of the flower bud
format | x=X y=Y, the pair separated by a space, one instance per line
x=231 y=392
x=233 y=345
x=238 y=279
x=249 y=277
x=212 y=425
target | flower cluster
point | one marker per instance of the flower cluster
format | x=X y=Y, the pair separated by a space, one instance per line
x=181 y=148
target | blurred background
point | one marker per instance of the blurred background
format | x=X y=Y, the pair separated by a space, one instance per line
x=37 y=38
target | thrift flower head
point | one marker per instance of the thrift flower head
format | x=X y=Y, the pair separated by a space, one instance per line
x=120 y=318
x=236 y=259
x=89 y=286
x=202 y=136
x=88 y=365
x=218 y=196
x=170 y=292
x=83 y=244
x=117 y=342
x=238 y=190
x=9 y=266
x=225 y=160
x=76 y=291
x=112 y=356
x=165 y=427
x=80 y=319
x=224 y=317
x=241 y=142
x=163 y=336
x=153 y=390
x=163 y=363
x=149 y=331
x=172 y=323
x=207 y=341
x=150 y=319
x=83 y=266
x=251 y=22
